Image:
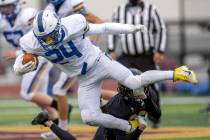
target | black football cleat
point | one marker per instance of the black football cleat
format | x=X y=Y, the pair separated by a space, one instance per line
x=41 y=118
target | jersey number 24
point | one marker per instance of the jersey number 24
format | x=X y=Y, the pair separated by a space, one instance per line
x=60 y=53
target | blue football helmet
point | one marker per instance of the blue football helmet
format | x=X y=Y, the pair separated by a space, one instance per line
x=47 y=29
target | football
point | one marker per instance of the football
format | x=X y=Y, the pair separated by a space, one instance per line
x=27 y=57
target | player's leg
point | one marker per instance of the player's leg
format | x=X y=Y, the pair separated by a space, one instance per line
x=108 y=94
x=89 y=103
x=60 y=89
x=123 y=75
x=43 y=119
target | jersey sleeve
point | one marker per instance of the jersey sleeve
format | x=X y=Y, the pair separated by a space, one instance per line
x=76 y=25
x=78 y=7
x=29 y=44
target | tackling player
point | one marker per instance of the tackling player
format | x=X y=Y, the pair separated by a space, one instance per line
x=64 y=42
x=15 y=22
x=129 y=104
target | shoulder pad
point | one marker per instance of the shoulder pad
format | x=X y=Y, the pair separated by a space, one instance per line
x=75 y=23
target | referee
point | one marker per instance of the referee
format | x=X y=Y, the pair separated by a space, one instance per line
x=143 y=51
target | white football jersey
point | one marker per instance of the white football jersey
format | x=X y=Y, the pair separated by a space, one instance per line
x=68 y=7
x=74 y=55
x=21 y=26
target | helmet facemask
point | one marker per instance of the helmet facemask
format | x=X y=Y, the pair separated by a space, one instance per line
x=53 y=38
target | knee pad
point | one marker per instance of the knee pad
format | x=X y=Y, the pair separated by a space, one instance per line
x=59 y=92
x=90 y=117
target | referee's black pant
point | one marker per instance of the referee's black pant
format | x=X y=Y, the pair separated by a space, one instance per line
x=143 y=63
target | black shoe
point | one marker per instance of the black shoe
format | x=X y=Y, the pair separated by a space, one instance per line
x=69 y=112
x=41 y=118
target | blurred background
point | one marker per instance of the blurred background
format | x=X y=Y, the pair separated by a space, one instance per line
x=188 y=42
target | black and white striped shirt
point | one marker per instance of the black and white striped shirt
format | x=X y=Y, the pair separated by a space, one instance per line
x=139 y=42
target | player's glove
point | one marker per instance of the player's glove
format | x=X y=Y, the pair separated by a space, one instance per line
x=140 y=28
x=20 y=68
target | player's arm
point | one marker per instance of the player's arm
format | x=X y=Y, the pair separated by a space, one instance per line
x=81 y=27
x=90 y=17
x=151 y=102
x=93 y=19
x=114 y=28
x=80 y=8
x=20 y=68
x=159 y=31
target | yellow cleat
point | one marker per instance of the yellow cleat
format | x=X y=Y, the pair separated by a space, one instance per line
x=184 y=74
x=134 y=125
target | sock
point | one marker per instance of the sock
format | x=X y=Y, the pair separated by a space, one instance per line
x=54 y=104
x=56 y=121
x=62 y=134
x=63 y=124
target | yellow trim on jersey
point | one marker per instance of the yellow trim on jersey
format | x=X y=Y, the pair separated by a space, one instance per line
x=36 y=83
x=86 y=29
x=68 y=84
x=78 y=7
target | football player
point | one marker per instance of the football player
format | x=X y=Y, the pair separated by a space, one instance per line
x=65 y=8
x=129 y=104
x=15 y=22
x=64 y=42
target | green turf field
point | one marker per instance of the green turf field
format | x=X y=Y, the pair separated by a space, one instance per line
x=177 y=111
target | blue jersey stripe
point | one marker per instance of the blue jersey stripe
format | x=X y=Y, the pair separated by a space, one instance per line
x=84 y=68
x=40 y=23
x=36 y=78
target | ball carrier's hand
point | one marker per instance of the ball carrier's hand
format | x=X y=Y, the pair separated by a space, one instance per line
x=21 y=68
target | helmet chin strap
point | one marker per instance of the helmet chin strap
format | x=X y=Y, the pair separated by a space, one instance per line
x=50 y=47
